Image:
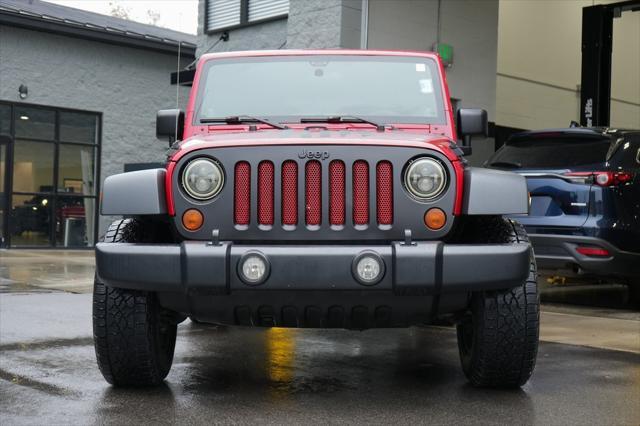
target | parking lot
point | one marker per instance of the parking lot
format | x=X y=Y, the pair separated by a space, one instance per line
x=588 y=369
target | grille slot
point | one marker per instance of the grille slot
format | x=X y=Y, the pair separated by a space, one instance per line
x=265 y=193
x=242 y=195
x=289 y=193
x=384 y=193
x=313 y=192
x=279 y=189
x=336 y=192
x=360 y=192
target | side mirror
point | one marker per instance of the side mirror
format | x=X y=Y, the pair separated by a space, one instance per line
x=170 y=124
x=471 y=122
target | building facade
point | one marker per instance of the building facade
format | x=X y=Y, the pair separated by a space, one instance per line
x=78 y=97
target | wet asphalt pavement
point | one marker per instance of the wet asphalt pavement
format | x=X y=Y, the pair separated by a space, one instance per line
x=48 y=373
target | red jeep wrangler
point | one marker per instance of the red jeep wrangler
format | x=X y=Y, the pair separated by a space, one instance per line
x=316 y=189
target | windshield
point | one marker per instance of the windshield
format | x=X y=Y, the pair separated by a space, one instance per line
x=287 y=88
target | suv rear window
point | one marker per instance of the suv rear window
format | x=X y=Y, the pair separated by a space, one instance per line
x=551 y=153
x=625 y=152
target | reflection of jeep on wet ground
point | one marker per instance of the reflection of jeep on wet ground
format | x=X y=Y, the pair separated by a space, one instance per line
x=316 y=189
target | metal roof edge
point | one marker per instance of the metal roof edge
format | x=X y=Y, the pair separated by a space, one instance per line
x=35 y=22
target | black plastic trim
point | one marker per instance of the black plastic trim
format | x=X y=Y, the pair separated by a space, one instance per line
x=313 y=286
x=436 y=299
x=420 y=269
x=619 y=263
x=494 y=192
x=135 y=193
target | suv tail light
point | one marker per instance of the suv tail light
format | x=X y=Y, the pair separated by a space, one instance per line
x=602 y=178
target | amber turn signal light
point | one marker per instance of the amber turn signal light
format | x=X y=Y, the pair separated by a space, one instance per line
x=192 y=219
x=435 y=218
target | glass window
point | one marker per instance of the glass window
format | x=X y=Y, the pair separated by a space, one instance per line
x=228 y=13
x=74 y=221
x=78 y=127
x=52 y=199
x=625 y=152
x=3 y=168
x=222 y=13
x=35 y=123
x=76 y=169
x=3 y=196
x=264 y=9
x=551 y=153
x=33 y=166
x=387 y=90
x=30 y=219
x=5 y=119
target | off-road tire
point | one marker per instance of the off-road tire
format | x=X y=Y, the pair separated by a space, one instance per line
x=134 y=336
x=498 y=337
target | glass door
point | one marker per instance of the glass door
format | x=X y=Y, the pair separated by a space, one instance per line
x=5 y=141
x=4 y=147
x=48 y=176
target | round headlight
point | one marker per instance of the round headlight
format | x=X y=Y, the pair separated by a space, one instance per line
x=425 y=178
x=202 y=179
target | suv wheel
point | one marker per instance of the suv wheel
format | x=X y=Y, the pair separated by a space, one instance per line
x=633 y=289
x=498 y=338
x=134 y=336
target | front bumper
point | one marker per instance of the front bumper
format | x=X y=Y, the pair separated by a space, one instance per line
x=313 y=285
x=418 y=268
x=559 y=252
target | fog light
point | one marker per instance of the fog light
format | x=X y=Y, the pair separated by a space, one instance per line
x=253 y=268
x=368 y=268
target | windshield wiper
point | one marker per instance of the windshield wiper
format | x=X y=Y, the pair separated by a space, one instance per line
x=510 y=164
x=346 y=119
x=239 y=119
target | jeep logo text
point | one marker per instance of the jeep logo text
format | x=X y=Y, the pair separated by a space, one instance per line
x=323 y=155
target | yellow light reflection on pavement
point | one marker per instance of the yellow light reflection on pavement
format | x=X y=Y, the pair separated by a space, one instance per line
x=280 y=347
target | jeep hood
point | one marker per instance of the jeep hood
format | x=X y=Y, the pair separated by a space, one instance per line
x=314 y=137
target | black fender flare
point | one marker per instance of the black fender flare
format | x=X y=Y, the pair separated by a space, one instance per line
x=135 y=193
x=494 y=192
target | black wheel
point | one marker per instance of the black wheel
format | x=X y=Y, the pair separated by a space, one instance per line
x=633 y=289
x=134 y=336
x=498 y=337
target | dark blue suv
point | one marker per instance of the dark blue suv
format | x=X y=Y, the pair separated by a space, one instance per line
x=584 y=186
